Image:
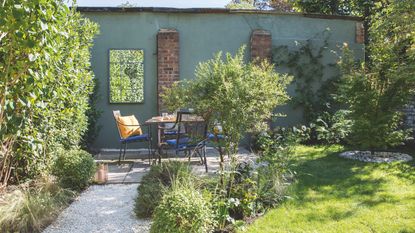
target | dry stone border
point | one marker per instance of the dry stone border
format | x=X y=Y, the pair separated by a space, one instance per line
x=377 y=157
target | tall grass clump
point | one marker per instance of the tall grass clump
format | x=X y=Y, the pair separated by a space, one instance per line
x=32 y=206
x=159 y=177
x=183 y=209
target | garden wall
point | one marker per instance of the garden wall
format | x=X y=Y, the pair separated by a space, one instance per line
x=176 y=40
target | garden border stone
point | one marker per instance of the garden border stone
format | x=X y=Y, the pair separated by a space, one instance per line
x=378 y=157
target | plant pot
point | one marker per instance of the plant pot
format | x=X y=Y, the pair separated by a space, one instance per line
x=101 y=175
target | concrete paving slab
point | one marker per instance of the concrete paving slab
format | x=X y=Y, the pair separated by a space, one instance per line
x=133 y=168
x=118 y=172
x=138 y=170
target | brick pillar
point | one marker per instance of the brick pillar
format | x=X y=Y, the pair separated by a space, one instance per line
x=167 y=61
x=261 y=45
x=360 y=33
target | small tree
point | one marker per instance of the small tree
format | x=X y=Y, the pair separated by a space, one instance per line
x=239 y=96
x=377 y=93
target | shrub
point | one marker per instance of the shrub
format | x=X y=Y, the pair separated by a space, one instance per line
x=158 y=178
x=252 y=187
x=377 y=91
x=274 y=169
x=271 y=187
x=243 y=189
x=333 y=128
x=239 y=96
x=45 y=68
x=32 y=206
x=74 y=169
x=280 y=138
x=93 y=114
x=183 y=209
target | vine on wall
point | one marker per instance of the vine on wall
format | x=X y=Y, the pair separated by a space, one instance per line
x=313 y=92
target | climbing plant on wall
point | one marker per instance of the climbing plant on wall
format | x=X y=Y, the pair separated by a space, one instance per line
x=305 y=62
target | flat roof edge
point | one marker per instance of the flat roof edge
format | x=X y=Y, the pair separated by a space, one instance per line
x=211 y=11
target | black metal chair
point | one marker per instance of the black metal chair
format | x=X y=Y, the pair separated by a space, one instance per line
x=143 y=137
x=192 y=138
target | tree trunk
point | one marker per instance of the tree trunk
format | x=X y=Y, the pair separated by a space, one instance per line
x=6 y=154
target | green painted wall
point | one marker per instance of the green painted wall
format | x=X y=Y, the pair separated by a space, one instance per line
x=201 y=35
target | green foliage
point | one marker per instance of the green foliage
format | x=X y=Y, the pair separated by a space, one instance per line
x=159 y=177
x=93 y=114
x=183 y=209
x=243 y=189
x=239 y=96
x=313 y=88
x=244 y=4
x=272 y=182
x=32 y=206
x=45 y=82
x=315 y=92
x=126 y=76
x=253 y=187
x=74 y=169
x=393 y=37
x=282 y=5
x=334 y=7
x=333 y=128
x=280 y=138
x=377 y=93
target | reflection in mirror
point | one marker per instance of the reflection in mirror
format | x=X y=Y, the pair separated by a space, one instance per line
x=126 y=70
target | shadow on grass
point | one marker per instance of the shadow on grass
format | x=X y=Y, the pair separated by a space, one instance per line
x=323 y=176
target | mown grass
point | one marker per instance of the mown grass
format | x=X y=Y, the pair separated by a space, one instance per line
x=333 y=194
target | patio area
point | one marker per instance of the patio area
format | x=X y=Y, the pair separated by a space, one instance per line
x=136 y=164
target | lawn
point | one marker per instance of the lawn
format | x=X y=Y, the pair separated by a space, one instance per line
x=333 y=194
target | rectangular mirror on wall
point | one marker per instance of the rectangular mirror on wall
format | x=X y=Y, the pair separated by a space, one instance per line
x=126 y=75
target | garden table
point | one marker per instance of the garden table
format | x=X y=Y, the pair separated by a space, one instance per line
x=169 y=119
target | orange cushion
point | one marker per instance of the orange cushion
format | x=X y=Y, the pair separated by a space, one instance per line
x=129 y=126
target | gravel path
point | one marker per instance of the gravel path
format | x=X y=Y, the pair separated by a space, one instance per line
x=101 y=208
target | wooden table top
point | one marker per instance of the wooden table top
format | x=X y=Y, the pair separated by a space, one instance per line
x=172 y=119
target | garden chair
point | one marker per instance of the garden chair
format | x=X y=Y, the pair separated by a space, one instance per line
x=192 y=138
x=130 y=131
x=166 y=131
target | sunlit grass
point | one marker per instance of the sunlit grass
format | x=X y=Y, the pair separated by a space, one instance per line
x=333 y=194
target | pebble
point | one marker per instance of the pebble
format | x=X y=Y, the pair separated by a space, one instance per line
x=378 y=157
x=102 y=208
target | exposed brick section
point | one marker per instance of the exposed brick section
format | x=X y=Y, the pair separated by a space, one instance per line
x=360 y=33
x=168 y=70
x=261 y=45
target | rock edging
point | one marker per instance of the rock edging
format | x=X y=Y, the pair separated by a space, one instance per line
x=377 y=157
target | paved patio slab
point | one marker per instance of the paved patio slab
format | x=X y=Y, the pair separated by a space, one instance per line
x=137 y=164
